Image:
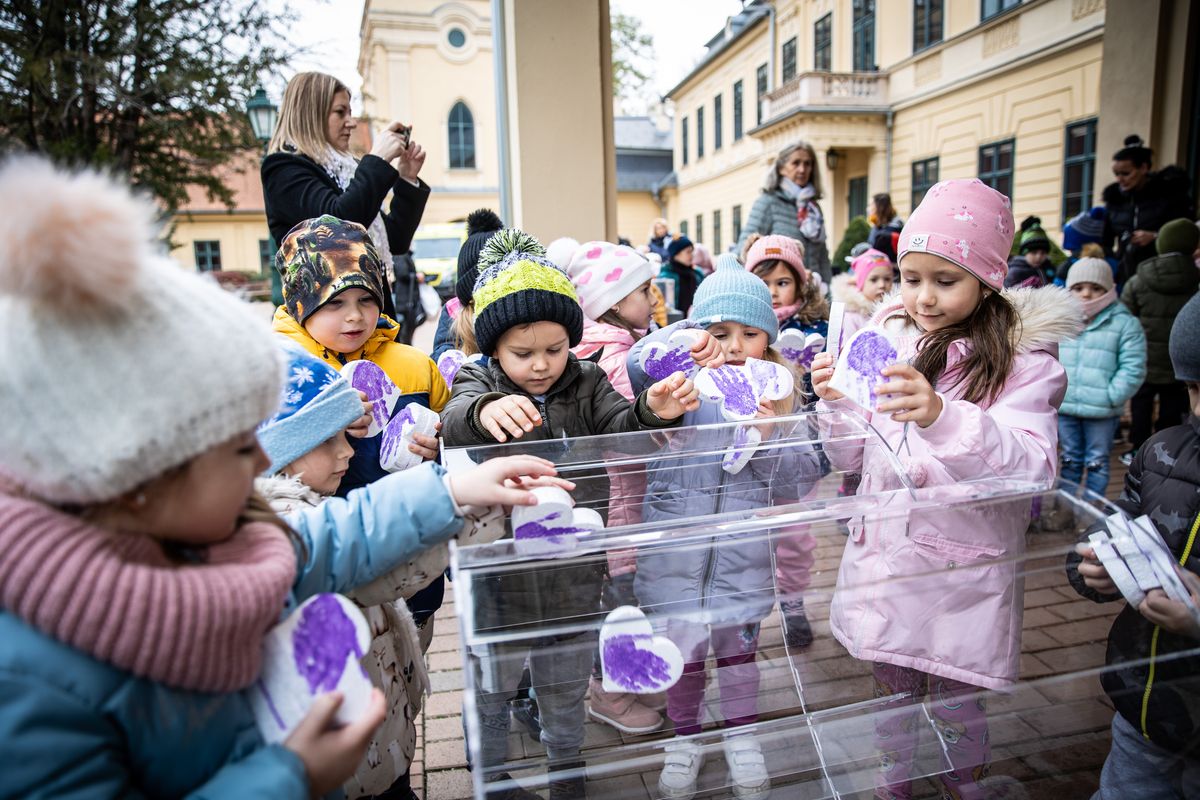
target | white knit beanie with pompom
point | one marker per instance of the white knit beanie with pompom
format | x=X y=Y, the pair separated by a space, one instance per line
x=115 y=364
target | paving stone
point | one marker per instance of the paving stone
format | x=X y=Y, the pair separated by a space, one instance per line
x=1081 y=631
x=452 y=784
x=445 y=755
x=1065 y=718
x=442 y=704
x=447 y=680
x=443 y=728
x=1072 y=659
x=1039 y=617
x=449 y=659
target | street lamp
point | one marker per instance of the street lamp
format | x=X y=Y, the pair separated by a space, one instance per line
x=831 y=159
x=262 y=113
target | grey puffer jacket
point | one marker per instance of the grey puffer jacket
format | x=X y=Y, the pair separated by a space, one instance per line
x=730 y=583
x=581 y=402
x=775 y=213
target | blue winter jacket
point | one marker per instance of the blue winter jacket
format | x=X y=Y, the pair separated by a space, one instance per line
x=74 y=727
x=731 y=583
x=1105 y=365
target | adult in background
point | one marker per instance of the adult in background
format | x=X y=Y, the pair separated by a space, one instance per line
x=680 y=268
x=309 y=171
x=660 y=239
x=883 y=216
x=1139 y=203
x=788 y=206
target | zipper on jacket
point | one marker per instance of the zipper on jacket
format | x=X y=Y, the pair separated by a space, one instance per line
x=710 y=562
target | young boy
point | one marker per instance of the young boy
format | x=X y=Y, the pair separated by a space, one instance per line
x=1028 y=268
x=1156 y=730
x=527 y=318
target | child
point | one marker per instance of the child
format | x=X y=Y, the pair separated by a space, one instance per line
x=1153 y=675
x=1155 y=294
x=138 y=572
x=993 y=411
x=679 y=268
x=868 y=281
x=527 y=317
x=734 y=310
x=1105 y=366
x=454 y=328
x=1029 y=267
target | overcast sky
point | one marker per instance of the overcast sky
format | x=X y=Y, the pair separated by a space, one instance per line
x=329 y=30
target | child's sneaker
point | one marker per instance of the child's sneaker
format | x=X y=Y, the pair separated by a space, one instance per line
x=681 y=766
x=797 y=631
x=622 y=711
x=747 y=768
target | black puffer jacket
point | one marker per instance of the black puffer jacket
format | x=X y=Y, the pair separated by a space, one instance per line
x=580 y=403
x=1166 y=195
x=1163 y=482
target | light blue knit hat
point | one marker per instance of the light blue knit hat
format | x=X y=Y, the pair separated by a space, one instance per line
x=733 y=294
x=316 y=402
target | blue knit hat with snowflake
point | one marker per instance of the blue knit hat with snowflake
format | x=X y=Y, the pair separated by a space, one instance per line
x=316 y=403
x=732 y=294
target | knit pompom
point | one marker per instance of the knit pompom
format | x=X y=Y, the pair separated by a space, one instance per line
x=509 y=240
x=1031 y=222
x=70 y=240
x=483 y=220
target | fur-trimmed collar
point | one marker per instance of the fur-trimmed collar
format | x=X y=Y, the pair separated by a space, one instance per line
x=285 y=493
x=844 y=290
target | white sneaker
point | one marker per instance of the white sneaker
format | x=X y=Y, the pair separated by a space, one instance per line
x=747 y=768
x=680 y=768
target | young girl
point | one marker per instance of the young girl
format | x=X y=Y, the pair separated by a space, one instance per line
x=527 y=317
x=974 y=393
x=455 y=328
x=732 y=584
x=868 y=281
x=138 y=572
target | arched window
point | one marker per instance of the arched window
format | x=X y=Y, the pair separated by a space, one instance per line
x=462 y=137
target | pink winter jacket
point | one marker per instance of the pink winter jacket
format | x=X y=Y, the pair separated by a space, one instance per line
x=963 y=624
x=627 y=484
x=858 y=307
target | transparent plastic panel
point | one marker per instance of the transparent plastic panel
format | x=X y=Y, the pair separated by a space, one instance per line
x=963 y=659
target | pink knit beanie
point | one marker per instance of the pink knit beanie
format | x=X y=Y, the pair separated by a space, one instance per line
x=966 y=222
x=777 y=248
x=866 y=261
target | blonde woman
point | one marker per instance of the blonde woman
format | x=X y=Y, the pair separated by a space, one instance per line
x=309 y=170
x=660 y=239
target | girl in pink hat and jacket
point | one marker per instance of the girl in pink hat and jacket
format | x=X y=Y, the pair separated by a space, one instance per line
x=974 y=394
x=868 y=281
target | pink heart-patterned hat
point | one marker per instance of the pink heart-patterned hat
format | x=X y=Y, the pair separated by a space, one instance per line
x=967 y=223
x=605 y=273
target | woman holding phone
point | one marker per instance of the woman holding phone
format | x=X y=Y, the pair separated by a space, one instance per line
x=309 y=170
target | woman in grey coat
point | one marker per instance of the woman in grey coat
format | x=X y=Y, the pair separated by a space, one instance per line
x=788 y=206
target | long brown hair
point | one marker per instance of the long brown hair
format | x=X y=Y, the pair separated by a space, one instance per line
x=464 y=330
x=611 y=317
x=812 y=303
x=304 y=115
x=992 y=330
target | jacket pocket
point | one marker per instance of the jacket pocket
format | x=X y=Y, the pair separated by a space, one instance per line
x=954 y=553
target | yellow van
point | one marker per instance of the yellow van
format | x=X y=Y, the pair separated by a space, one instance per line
x=435 y=251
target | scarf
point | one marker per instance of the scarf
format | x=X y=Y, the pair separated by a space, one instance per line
x=120 y=599
x=808 y=213
x=341 y=167
x=1097 y=304
x=786 y=312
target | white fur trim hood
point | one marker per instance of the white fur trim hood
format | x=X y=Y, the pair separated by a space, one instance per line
x=844 y=290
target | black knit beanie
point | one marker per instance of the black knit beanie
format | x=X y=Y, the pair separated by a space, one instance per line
x=481 y=224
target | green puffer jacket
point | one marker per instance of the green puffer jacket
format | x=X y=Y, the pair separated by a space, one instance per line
x=1105 y=365
x=581 y=402
x=1161 y=287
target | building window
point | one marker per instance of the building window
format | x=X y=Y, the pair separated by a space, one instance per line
x=858 y=198
x=1079 y=165
x=737 y=223
x=684 y=134
x=761 y=77
x=737 y=111
x=266 y=256
x=699 y=133
x=823 y=44
x=456 y=38
x=789 y=59
x=699 y=228
x=990 y=8
x=927 y=23
x=683 y=228
x=716 y=240
x=996 y=166
x=717 y=122
x=208 y=256
x=864 y=35
x=924 y=176
x=462 y=137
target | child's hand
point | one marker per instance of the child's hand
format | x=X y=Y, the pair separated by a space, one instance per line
x=331 y=755
x=765 y=411
x=515 y=414
x=1173 y=615
x=822 y=373
x=707 y=351
x=913 y=399
x=358 y=429
x=621 y=562
x=505 y=481
x=1095 y=576
x=672 y=397
x=425 y=446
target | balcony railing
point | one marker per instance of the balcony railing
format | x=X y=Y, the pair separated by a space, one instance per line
x=855 y=91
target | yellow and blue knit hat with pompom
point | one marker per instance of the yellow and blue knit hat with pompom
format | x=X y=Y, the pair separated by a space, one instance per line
x=519 y=285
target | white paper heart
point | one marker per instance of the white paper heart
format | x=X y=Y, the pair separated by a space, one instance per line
x=451 y=362
x=858 y=366
x=394 y=455
x=316 y=650
x=660 y=361
x=632 y=658
x=799 y=349
x=746 y=440
x=740 y=387
x=554 y=525
x=368 y=378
